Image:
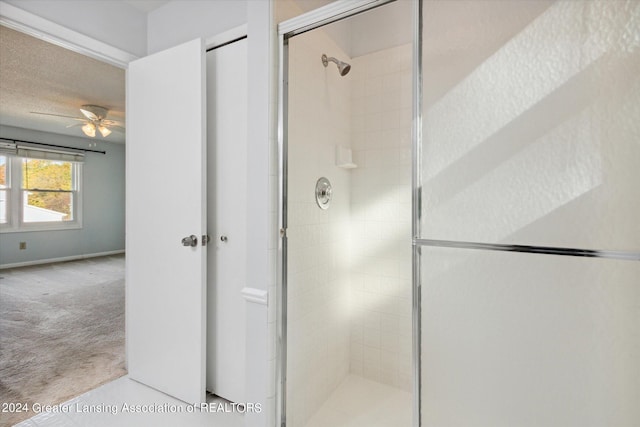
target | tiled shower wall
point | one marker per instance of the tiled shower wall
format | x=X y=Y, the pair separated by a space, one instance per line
x=318 y=281
x=349 y=283
x=380 y=298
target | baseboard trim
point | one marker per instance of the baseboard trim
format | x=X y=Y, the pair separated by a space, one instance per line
x=61 y=259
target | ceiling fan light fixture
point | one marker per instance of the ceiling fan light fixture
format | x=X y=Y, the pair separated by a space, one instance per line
x=95 y=119
x=89 y=129
x=105 y=132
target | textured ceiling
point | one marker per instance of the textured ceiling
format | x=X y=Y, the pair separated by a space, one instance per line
x=39 y=76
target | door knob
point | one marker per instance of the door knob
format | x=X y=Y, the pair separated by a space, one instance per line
x=223 y=238
x=190 y=241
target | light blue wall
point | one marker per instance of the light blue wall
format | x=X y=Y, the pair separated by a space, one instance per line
x=103 y=187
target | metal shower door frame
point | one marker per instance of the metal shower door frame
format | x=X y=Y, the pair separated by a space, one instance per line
x=333 y=12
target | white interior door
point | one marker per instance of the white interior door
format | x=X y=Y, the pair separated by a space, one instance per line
x=227 y=189
x=166 y=202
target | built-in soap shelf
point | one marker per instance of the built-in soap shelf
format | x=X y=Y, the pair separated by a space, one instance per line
x=344 y=158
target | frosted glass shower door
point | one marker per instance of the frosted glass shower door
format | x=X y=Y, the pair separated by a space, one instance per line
x=547 y=341
x=530 y=130
x=531 y=115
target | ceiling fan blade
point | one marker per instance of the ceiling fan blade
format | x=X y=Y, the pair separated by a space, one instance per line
x=75 y=125
x=108 y=122
x=58 y=115
x=88 y=114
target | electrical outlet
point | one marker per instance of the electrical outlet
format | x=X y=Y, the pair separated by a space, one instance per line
x=23 y=245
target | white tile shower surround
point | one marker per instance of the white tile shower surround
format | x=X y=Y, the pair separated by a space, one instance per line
x=380 y=344
x=359 y=402
x=318 y=280
x=125 y=391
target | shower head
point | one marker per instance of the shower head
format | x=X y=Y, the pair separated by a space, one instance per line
x=343 y=67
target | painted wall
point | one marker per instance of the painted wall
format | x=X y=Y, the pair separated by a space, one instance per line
x=380 y=221
x=531 y=127
x=319 y=240
x=180 y=21
x=103 y=206
x=113 y=22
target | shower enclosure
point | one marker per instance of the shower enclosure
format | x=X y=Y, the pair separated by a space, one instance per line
x=459 y=204
x=348 y=192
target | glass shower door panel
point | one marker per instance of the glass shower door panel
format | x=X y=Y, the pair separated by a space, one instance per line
x=513 y=339
x=531 y=122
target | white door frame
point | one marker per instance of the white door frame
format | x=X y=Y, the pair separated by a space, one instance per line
x=36 y=26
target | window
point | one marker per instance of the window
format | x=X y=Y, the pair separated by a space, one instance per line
x=39 y=190
x=47 y=191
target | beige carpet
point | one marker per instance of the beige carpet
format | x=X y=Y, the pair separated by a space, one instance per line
x=61 y=331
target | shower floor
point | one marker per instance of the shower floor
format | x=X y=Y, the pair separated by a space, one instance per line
x=359 y=402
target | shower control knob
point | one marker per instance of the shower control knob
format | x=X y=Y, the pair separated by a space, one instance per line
x=223 y=239
x=323 y=193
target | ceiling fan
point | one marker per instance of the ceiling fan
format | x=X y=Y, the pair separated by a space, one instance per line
x=95 y=118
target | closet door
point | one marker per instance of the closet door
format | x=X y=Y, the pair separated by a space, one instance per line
x=166 y=219
x=227 y=190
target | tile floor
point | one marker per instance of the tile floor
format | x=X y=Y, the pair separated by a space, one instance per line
x=125 y=391
x=359 y=402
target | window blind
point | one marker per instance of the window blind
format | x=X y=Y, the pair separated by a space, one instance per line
x=7 y=148
x=49 y=154
x=10 y=148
